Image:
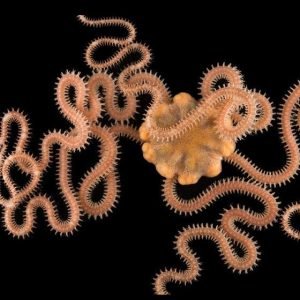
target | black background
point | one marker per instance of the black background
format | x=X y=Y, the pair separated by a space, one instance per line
x=123 y=252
